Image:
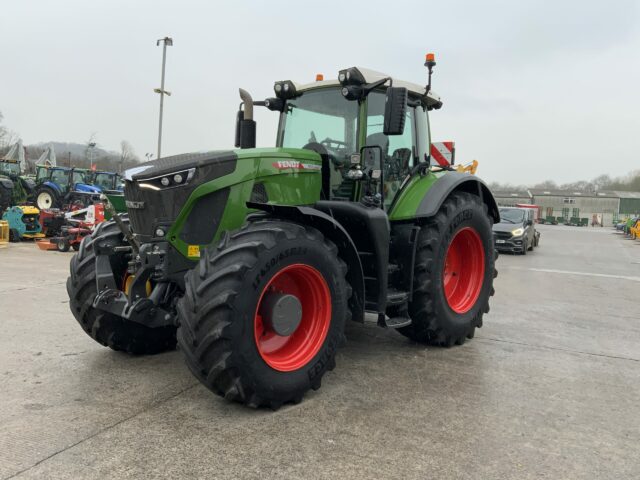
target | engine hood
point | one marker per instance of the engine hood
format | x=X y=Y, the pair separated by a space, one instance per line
x=163 y=166
x=83 y=187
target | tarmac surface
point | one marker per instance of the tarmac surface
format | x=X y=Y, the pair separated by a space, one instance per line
x=549 y=388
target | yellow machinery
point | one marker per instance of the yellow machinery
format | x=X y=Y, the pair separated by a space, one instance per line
x=635 y=230
x=24 y=222
x=4 y=233
x=468 y=168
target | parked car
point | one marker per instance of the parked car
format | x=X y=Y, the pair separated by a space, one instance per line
x=516 y=231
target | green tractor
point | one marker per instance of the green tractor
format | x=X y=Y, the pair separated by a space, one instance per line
x=15 y=188
x=254 y=259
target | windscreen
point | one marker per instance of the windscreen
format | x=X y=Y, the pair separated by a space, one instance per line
x=511 y=215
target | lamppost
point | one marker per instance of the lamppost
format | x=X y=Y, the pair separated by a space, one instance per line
x=92 y=145
x=166 y=41
x=149 y=156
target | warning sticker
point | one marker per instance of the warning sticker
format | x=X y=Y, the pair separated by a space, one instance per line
x=193 y=250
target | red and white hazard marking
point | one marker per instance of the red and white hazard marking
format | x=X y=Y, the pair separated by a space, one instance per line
x=443 y=153
x=282 y=164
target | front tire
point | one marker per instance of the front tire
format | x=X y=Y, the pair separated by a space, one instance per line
x=63 y=245
x=454 y=272
x=229 y=342
x=106 y=328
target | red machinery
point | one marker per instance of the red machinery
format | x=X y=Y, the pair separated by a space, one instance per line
x=77 y=224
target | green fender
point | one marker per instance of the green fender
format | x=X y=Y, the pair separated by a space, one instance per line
x=423 y=195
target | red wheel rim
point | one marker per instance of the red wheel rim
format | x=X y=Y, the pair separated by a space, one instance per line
x=296 y=350
x=463 y=271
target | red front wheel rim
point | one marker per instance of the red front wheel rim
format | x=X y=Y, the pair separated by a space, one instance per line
x=292 y=352
x=463 y=272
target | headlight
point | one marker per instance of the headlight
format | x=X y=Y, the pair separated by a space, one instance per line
x=517 y=232
x=170 y=180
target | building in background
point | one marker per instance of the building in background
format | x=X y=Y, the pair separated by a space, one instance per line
x=629 y=203
x=602 y=207
x=511 y=198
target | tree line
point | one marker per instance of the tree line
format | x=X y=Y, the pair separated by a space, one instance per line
x=82 y=155
x=626 y=183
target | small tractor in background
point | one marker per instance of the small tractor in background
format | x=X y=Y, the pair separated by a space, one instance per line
x=254 y=259
x=15 y=188
x=60 y=186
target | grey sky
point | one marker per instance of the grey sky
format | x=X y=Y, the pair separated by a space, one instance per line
x=533 y=90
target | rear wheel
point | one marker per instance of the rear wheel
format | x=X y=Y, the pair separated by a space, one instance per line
x=46 y=198
x=105 y=328
x=454 y=272
x=264 y=313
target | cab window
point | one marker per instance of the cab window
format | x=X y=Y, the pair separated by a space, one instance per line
x=323 y=118
x=60 y=177
x=397 y=150
x=79 y=177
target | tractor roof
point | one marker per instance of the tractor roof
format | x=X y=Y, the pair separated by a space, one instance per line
x=370 y=76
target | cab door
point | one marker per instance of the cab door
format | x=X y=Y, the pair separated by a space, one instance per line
x=398 y=151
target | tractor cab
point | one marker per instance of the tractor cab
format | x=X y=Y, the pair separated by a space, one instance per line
x=108 y=181
x=370 y=130
x=15 y=188
x=10 y=168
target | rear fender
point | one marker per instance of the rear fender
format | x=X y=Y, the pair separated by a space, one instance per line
x=425 y=195
x=54 y=186
x=338 y=235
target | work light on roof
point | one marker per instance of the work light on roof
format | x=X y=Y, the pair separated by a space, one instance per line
x=284 y=89
x=351 y=76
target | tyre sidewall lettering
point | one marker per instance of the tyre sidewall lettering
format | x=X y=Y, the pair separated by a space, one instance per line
x=287 y=253
x=476 y=219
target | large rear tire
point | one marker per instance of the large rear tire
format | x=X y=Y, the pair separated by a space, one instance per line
x=105 y=328
x=46 y=198
x=232 y=338
x=454 y=272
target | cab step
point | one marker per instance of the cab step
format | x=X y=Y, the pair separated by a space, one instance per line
x=397 y=322
x=396 y=297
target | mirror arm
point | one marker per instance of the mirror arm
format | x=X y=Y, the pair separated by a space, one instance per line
x=370 y=86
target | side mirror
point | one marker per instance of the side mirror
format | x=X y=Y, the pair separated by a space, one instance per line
x=395 y=110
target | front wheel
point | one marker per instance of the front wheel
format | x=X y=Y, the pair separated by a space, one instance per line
x=454 y=272
x=63 y=245
x=106 y=328
x=264 y=313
